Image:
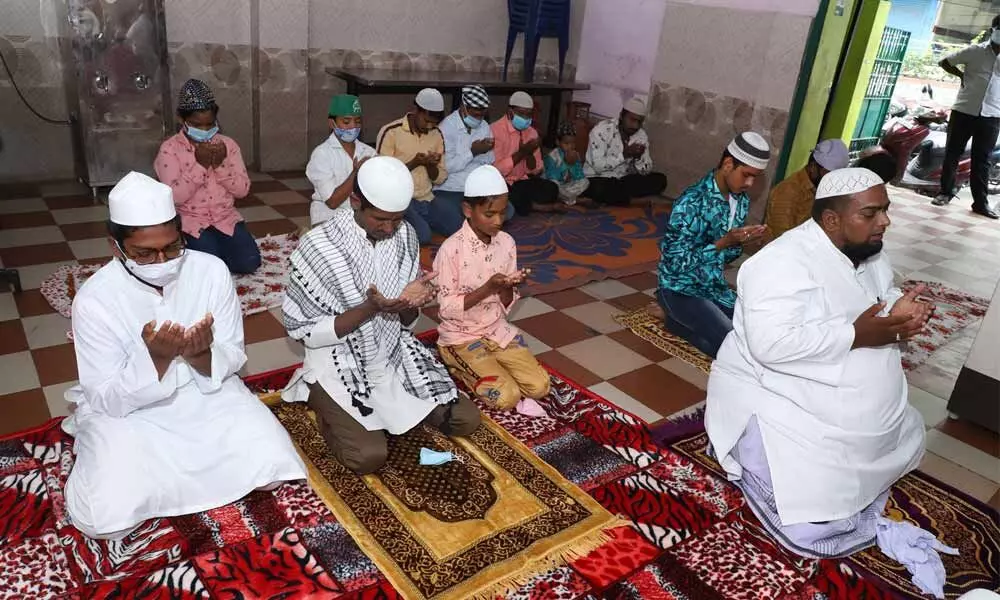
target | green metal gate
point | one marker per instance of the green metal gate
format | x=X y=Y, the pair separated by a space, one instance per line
x=885 y=72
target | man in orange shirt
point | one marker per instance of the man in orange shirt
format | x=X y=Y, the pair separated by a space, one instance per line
x=792 y=200
x=518 y=156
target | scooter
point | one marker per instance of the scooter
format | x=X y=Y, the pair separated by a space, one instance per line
x=917 y=143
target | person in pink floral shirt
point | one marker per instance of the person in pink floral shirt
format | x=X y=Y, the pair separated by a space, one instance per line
x=205 y=170
x=477 y=276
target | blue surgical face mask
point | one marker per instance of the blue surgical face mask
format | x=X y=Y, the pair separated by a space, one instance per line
x=471 y=122
x=347 y=135
x=520 y=123
x=435 y=457
x=201 y=135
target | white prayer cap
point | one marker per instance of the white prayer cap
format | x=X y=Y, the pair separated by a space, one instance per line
x=430 y=100
x=831 y=154
x=636 y=106
x=485 y=180
x=386 y=183
x=139 y=200
x=521 y=100
x=844 y=182
x=750 y=149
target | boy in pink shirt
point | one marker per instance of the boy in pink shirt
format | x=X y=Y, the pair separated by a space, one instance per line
x=205 y=171
x=478 y=279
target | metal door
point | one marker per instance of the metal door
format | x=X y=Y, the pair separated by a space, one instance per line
x=881 y=85
x=117 y=85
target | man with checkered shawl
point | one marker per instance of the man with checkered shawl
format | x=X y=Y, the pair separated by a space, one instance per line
x=353 y=295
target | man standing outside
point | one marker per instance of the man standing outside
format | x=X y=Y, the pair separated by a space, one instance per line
x=976 y=115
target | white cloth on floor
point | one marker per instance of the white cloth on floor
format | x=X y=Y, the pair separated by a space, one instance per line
x=157 y=447
x=917 y=550
x=836 y=425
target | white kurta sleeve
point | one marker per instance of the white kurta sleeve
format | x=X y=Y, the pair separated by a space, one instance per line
x=322 y=334
x=643 y=164
x=228 y=355
x=323 y=173
x=780 y=333
x=599 y=154
x=117 y=377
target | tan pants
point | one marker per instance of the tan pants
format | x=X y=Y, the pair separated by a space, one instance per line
x=364 y=451
x=500 y=376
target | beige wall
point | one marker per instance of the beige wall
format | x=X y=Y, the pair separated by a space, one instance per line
x=298 y=40
x=722 y=68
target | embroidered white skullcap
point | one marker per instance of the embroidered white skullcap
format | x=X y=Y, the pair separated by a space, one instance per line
x=386 y=183
x=831 y=154
x=521 y=100
x=430 y=100
x=844 y=182
x=139 y=201
x=636 y=106
x=750 y=149
x=485 y=180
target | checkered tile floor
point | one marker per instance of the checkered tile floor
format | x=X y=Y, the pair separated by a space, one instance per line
x=45 y=226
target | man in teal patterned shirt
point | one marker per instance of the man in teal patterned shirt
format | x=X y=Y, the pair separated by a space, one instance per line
x=706 y=232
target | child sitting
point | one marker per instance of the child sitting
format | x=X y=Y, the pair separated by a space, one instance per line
x=478 y=276
x=564 y=165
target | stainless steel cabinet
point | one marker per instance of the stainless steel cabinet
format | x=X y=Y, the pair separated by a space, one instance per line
x=117 y=84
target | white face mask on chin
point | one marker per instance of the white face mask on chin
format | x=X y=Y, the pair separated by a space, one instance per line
x=157 y=274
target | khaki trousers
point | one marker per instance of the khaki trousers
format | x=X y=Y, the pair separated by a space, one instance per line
x=500 y=376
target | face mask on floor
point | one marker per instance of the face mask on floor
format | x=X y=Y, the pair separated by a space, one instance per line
x=433 y=457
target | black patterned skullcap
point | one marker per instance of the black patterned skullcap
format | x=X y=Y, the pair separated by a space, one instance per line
x=475 y=96
x=195 y=95
x=566 y=129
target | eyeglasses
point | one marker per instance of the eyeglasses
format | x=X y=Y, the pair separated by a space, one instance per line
x=148 y=256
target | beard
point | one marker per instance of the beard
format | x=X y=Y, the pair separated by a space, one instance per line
x=858 y=253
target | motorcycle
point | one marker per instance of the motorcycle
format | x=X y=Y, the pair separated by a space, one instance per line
x=916 y=141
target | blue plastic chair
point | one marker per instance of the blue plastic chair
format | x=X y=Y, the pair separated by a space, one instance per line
x=537 y=19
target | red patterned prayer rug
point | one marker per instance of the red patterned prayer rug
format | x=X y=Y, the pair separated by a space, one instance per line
x=690 y=536
x=954 y=517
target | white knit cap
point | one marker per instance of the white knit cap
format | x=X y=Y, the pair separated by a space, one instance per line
x=521 y=100
x=485 y=180
x=844 y=182
x=430 y=100
x=386 y=183
x=139 y=201
x=636 y=106
x=750 y=149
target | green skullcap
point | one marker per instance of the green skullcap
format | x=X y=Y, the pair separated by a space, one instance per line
x=345 y=105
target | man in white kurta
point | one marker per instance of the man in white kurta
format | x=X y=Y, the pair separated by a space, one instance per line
x=807 y=402
x=157 y=436
x=353 y=295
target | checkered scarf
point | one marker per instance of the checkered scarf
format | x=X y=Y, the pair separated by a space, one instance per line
x=331 y=270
